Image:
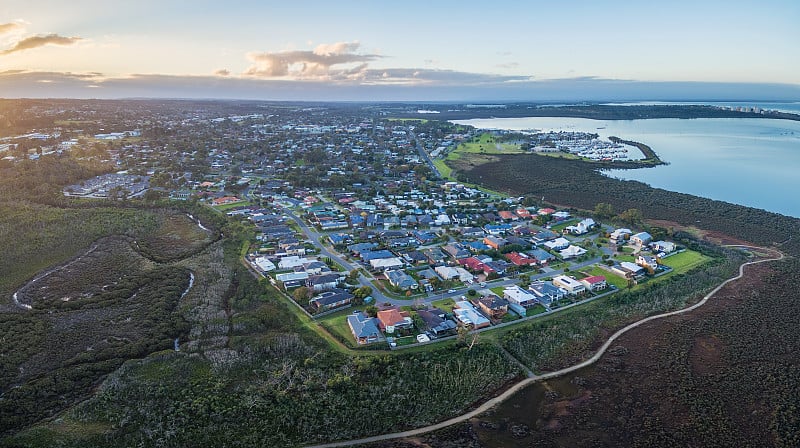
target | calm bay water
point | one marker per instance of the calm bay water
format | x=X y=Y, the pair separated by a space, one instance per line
x=747 y=161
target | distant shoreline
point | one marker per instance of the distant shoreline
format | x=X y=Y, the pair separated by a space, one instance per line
x=596 y=112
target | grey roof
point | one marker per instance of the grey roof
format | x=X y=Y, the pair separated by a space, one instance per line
x=362 y=325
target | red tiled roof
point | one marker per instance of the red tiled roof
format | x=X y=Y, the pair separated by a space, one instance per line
x=594 y=279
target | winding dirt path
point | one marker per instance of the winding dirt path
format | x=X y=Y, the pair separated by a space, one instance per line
x=528 y=381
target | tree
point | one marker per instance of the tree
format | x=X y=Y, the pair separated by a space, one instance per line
x=603 y=210
x=631 y=216
x=301 y=294
x=371 y=310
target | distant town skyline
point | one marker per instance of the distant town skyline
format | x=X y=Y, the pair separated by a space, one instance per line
x=401 y=51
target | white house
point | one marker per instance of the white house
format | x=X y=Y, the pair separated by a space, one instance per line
x=663 y=246
x=557 y=244
x=641 y=238
x=382 y=264
x=292 y=262
x=517 y=295
x=571 y=285
x=647 y=262
x=291 y=276
x=620 y=234
x=469 y=316
x=265 y=264
x=582 y=227
x=572 y=252
x=449 y=272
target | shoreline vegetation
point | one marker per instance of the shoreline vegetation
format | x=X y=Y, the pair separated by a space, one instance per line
x=597 y=112
x=650 y=156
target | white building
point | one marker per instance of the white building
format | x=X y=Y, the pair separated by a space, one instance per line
x=449 y=272
x=517 y=295
x=265 y=264
x=572 y=252
x=382 y=264
x=292 y=262
x=557 y=244
x=571 y=285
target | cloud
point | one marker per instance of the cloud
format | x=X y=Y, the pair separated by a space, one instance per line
x=223 y=72
x=324 y=62
x=39 y=41
x=381 y=85
x=9 y=27
x=509 y=65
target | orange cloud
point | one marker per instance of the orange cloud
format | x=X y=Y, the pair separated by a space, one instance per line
x=39 y=41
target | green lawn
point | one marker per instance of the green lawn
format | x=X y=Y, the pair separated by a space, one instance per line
x=336 y=324
x=444 y=304
x=561 y=226
x=444 y=170
x=685 y=261
x=611 y=279
x=534 y=310
x=498 y=290
x=226 y=207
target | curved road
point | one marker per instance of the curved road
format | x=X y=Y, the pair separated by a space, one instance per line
x=527 y=381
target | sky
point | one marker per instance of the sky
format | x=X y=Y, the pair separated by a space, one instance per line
x=402 y=50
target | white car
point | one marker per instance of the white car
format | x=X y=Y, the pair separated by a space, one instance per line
x=451 y=290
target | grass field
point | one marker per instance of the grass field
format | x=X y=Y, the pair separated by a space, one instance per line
x=561 y=226
x=498 y=290
x=685 y=261
x=336 y=324
x=444 y=304
x=611 y=279
x=226 y=207
x=538 y=309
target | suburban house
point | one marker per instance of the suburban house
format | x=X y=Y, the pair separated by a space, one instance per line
x=620 y=234
x=292 y=279
x=401 y=280
x=547 y=292
x=647 y=261
x=557 y=244
x=641 y=238
x=364 y=328
x=383 y=264
x=469 y=316
x=572 y=252
x=495 y=242
x=314 y=268
x=292 y=262
x=582 y=227
x=331 y=299
x=264 y=264
x=541 y=256
x=436 y=322
x=449 y=273
x=542 y=236
x=456 y=250
x=322 y=282
x=594 y=283
x=629 y=270
x=369 y=255
x=493 y=306
x=516 y=295
x=569 y=284
x=663 y=246
x=394 y=319
x=521 y=259
x=474 y=264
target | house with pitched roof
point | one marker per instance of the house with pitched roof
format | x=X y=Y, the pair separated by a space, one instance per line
x=364 y=328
